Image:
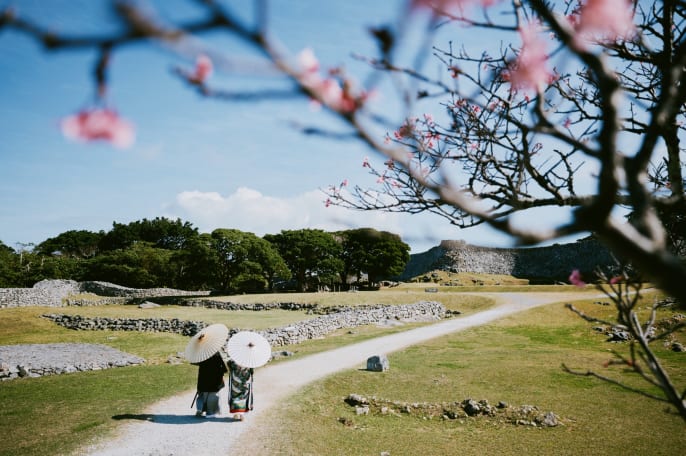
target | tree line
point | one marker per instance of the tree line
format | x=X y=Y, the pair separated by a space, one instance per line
x=174 y=254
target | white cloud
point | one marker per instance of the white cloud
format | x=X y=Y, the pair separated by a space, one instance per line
x=249 y=210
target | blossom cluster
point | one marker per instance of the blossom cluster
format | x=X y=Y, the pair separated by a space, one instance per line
x=328 y=90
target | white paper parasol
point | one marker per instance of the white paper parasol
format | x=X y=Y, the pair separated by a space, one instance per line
x=249 y=349
x=206 y=343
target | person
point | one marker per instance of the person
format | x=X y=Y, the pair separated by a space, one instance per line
x=240 y=390
x=210 y=382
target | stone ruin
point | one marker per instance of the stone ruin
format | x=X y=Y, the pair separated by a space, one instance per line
x=525 y=415
x=538 y=264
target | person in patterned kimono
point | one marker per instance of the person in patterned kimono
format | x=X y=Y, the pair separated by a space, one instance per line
x=240 y=390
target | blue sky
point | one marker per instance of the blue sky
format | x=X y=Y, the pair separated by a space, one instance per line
x=212 y=163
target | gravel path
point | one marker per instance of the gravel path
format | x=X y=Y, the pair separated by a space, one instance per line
x=168 y=428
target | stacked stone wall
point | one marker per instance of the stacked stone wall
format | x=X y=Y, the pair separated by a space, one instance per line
x=552 y=263
x=110 y=289
x=44 y=293
x=58 y=293
x=287 y=335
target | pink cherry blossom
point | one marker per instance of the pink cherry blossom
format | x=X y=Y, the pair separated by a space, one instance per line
x=431 y=138
x=328 y=90
x=344 y=183
x=365 y=163
x=529 y=70
x=327 y=203
x=575 y=279
x=203 y=69
x=308 y=61
x=604 y=21
x=99 y=124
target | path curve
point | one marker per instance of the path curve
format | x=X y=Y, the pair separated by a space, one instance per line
x=168 y=428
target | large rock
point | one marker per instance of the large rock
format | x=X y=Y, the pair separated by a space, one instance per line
x=378 y=363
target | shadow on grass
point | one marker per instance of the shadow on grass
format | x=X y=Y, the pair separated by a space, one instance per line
x=172 y=419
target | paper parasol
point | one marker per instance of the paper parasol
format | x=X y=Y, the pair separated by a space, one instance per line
x=249 y=349
x=206 y=343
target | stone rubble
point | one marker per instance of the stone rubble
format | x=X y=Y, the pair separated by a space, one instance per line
x=525 y=415
x=36 y=360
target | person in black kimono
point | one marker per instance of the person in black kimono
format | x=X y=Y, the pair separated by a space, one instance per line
x=210 y=382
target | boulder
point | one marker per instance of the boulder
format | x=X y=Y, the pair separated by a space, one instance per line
x=378 y=363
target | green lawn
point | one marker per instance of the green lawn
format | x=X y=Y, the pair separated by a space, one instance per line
x=516 y=360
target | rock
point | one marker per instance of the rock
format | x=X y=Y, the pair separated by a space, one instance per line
x=471 y=407
x=362 y=410
x=357 y=400
x=148 y=305
x=378 y=363
x=345 y=422
x=678 y=347
x=549 y=420
x=174 y=359
x=282 y=354
x=618 y=334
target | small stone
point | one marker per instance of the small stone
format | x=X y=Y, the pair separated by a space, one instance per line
x=549 y=420
x=362 y=411
x=357 y=400
x=471 y=407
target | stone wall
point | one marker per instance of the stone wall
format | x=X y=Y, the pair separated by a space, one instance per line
x=43 y=293
x=551 y=263
x=174 y=325
x=110 y=289
x=288 y=335
x=320 y=326
x=58 y=293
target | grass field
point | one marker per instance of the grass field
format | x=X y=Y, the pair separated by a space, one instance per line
x=516 y=360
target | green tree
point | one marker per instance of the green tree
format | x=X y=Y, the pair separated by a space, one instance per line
x=140 y=266
x=194 y=265
x=73 y=243
x=379 y=254
x=9 y=261
x=313 y=256
x=160 y=232
x=245 y=262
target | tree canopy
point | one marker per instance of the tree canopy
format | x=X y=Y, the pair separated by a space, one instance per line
x=312 y=255
x=379 y=254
